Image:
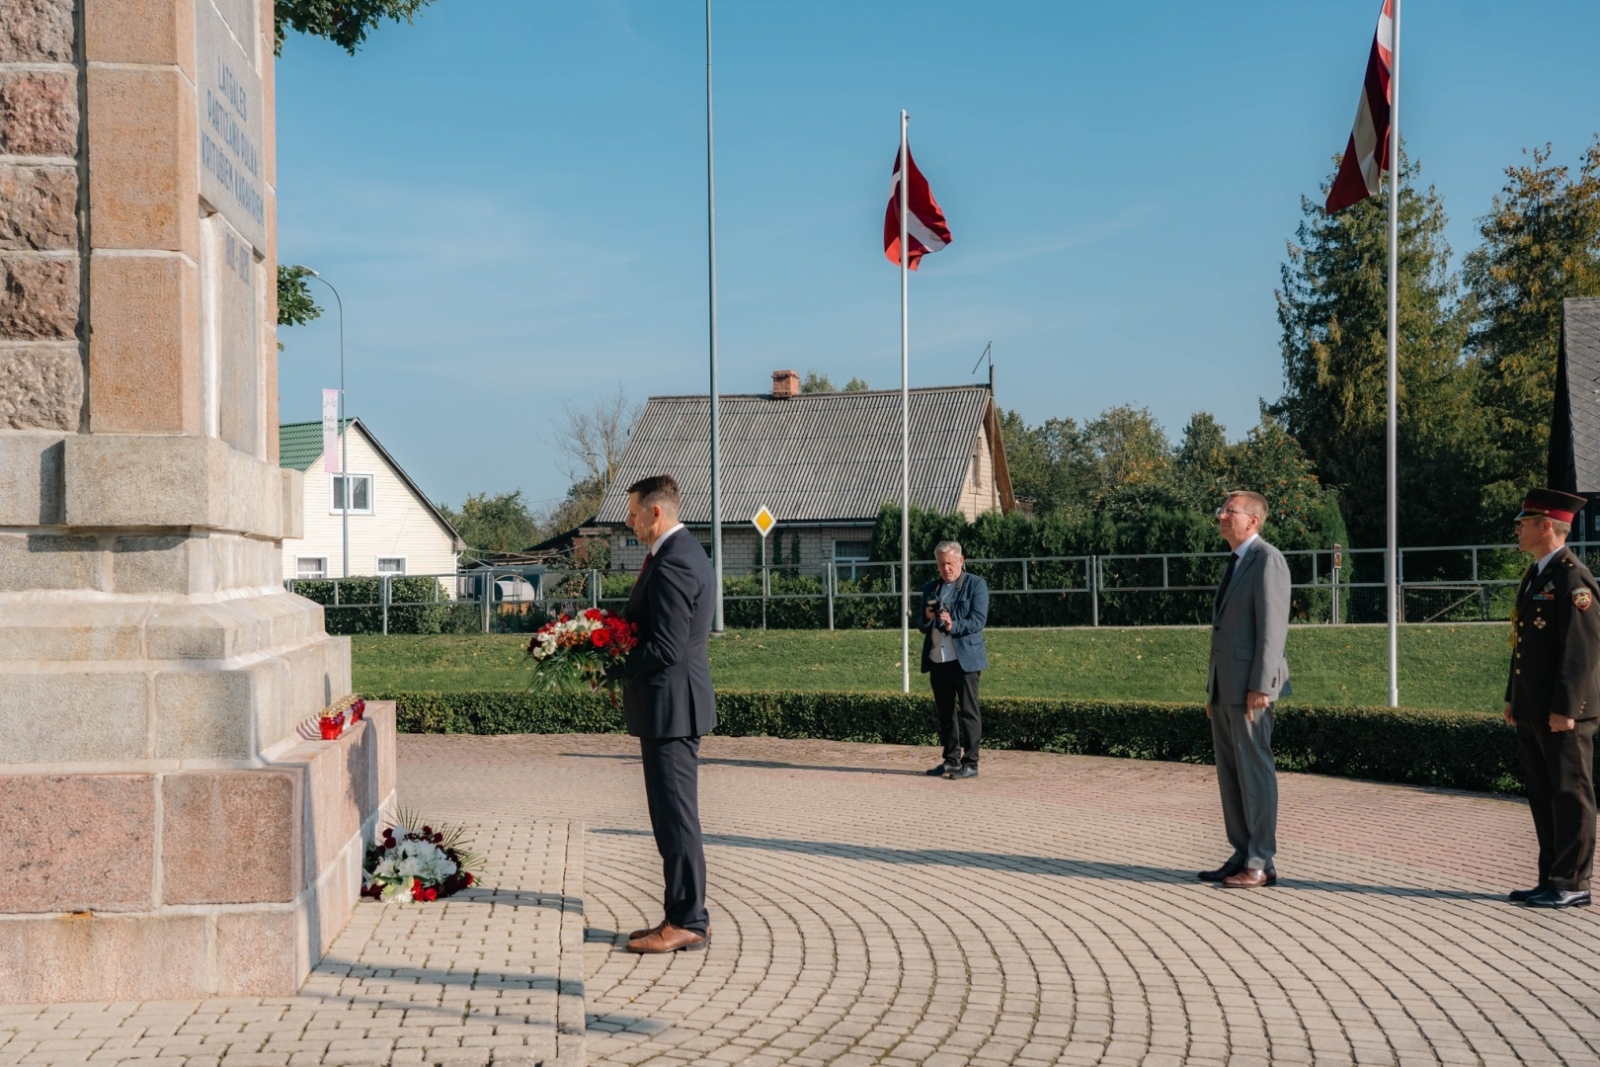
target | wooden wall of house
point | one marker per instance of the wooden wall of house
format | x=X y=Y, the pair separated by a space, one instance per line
x=400 y=524
x=979 y=494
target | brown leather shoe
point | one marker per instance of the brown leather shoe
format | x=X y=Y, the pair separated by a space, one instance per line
x=656 y=929
x=668 y=939
x=1246 y=879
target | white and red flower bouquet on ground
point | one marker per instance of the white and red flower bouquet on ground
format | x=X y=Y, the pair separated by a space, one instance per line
x=573 y=653
x=417 y=865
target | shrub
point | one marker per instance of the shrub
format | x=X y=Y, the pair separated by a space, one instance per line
x=1459 y=750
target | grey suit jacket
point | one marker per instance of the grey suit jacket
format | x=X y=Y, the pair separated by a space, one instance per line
x=1249 y=624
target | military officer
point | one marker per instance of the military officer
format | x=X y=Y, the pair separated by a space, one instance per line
x=1553 y=698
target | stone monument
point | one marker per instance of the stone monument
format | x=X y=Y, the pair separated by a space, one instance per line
x=168 y=828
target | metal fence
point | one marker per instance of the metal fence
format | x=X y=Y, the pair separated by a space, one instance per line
x=1453 y=583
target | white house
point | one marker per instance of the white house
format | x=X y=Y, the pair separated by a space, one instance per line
x=394 y=529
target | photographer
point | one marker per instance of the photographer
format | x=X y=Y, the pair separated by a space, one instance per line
x=955 y=606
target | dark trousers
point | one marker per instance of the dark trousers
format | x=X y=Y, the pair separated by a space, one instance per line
x=1248 y=780
x=672 y=787
x=1559 y=768
x=955 y=692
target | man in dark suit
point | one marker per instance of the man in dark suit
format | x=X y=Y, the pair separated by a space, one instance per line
x=668 y=705
x=1553 y=698
x=1248 y=673
x=955 y=607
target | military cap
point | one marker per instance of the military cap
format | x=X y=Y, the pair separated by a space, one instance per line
x=1551 y=504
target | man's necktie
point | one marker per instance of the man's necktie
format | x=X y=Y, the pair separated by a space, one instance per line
x=648 y=556
x=1227 y=575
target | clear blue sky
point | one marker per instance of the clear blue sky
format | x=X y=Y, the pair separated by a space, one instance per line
x=511 y=196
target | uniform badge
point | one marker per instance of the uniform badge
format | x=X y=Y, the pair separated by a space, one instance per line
x=1547 y=593
x=1581 y=599
x=1539 y=624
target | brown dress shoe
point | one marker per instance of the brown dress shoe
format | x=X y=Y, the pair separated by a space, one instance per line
x=1246 y=879
x=668 y=939
x=656 y=929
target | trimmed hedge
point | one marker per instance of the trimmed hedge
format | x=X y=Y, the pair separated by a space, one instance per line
x=1458 y=750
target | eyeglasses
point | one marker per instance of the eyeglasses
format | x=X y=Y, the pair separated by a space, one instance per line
x=1220 y=512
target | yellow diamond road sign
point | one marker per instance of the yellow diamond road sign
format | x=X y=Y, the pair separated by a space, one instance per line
x=764 y=521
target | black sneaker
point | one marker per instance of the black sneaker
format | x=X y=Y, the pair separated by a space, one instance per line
x=942 y=770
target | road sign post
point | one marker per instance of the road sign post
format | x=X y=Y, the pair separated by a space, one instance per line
x=764 y=522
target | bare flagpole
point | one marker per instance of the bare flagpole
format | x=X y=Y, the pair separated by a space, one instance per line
x=716 y=441
x=1392 y=520
x=905 y=426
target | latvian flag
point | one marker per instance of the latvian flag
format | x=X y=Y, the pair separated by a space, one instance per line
x=1367 y=155
x=926 y=230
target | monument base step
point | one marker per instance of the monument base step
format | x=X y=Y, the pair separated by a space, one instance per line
x=186 y=884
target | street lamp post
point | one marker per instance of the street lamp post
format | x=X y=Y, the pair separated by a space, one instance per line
x=344 y=436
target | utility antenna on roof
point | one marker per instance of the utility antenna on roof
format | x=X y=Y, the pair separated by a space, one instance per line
x=988 y=353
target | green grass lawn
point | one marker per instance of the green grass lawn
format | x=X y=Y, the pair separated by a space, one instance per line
x=1460 y=667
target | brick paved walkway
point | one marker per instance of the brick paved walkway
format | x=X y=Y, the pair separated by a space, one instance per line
x=1045 y=912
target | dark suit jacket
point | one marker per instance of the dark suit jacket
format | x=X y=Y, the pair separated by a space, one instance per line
x=1556 y=626
x=969 y=610
x=667 y=677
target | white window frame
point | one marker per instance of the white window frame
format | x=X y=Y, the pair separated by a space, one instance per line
x=311 y=577
x=372 y=490
x=401 y=573
x=846 y=566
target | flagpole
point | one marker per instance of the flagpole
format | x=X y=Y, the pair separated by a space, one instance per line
x=717 y=625
x=905 y=423
x=1392 y=521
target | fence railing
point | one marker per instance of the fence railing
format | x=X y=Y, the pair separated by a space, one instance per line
x=1451 y=583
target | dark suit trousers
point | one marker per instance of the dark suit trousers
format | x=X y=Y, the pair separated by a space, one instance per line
x=672 y=787
x=955 y=693
x=1248 y=780
x=1559 y=768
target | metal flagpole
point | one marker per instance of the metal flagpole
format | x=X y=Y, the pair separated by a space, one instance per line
x=1391 y=553
x=905 y=426
x=717 y=625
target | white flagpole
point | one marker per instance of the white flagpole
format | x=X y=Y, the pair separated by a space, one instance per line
x=905 y=425
x=1391 y=553
x=717 y=625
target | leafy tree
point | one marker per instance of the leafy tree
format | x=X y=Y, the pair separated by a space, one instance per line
x=590 y=440
x=1541 y=244
x=498 y=523
x=1333 y=310
x=344 y=22
x=814 y=382
x=1050 y=464
x=295 y=306
x=1203 y=466
x=1128 y=447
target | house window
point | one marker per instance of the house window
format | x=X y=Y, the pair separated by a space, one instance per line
x=391 y=565
x=848 y=554
x=360 y=493
x=311 y=566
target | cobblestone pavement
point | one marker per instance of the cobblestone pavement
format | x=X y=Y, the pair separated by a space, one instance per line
x=491 y=974
x=1045 y=912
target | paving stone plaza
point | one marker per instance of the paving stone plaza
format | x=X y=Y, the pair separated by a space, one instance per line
x=1043 y=913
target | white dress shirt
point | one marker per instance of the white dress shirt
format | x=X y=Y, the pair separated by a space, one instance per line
x=656 y=545
x=944 y=646
x=1544 y=561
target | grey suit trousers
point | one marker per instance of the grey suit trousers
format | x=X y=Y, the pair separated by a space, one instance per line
x=1249 y=782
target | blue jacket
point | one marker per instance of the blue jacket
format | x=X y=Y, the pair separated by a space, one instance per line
x=969 y=610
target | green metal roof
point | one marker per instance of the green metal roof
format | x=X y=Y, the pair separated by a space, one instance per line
x=300 y=444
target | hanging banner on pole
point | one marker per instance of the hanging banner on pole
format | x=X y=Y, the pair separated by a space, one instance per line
x=330 y=430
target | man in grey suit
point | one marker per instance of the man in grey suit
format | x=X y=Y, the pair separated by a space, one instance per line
x=1249 y=624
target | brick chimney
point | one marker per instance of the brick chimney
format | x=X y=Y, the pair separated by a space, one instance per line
x=785 y=384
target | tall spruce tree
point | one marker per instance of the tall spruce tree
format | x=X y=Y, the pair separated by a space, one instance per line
x=1333 y=310
x=1541 y=244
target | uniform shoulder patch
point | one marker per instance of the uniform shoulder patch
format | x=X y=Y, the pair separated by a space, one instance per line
x=1582 y=598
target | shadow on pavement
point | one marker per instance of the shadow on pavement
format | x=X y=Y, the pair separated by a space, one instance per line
x=1067 y=868
x=764 y=764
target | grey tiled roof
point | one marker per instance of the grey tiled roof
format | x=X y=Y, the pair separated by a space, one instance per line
x=812 y=458
x=1581 y=340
